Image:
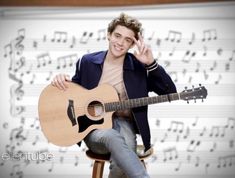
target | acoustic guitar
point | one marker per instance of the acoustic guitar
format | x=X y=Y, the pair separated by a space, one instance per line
x=66 y=117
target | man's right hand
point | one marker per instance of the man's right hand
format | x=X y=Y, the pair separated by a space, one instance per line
x=60 y=80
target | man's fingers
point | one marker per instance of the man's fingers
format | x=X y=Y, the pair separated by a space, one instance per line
x=59 y=81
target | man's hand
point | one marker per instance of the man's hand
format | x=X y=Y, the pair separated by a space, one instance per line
x=59 y=81
x=144 y=53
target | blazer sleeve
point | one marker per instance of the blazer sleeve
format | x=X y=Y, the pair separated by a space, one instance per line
x=78 y=72
x=160 y=82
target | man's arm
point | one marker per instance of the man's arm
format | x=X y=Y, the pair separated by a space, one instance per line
x=158 y=80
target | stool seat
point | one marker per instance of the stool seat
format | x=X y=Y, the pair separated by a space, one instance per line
x=100 y=159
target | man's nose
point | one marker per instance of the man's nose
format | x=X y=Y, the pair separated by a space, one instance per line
x=121 y=41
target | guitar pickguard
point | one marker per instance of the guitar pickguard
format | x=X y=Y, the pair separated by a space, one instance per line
x=84 y=122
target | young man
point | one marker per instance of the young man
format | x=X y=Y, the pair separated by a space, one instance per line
x=133 y=76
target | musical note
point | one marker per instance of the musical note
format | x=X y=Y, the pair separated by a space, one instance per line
x=174 y=36
x=59 y=37
x=198 y=67
x=217 y=131
x=172 y=51
x=230 y=123
x=8 y=50
x=52 y=167
x=101 y=34
x=197 y=162
x=16 y=65
x=17 y=136
x=188 y=56
x=164 y=138
x=224 y=161
x=22 y=120
x=195 y=122
x=213 y=147
x=231 y=143
x=76 y=161
x=5 y=125
x=219 y=51
x=193 y=145
x=43 y=60
x=158 y=122
x=32 y=79
x=209 y=35
x=192 y=39
x=176 y=126
x=170 y=154
x=184 y=71
x=178 y=167
x=36 y=140
x=206 y=76
x=16 y=91
x=166 y=63
x=203 y=132
x=227 y=66
x=64 y=61
x=158 y=42
x=151 y=36
x=16 y=171
x=73 y=42
x=218 y=80
x=16 y=110
x=204 y=51
x=190 y=79
x=19 y=47
x=186 y=133
x=35 y=45
x=35 y=123
x=85 y=37
x=214 y=66
x=49 y=76
x=206 y=168
x=232 y=56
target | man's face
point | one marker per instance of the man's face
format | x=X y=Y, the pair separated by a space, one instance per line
x=120 y=40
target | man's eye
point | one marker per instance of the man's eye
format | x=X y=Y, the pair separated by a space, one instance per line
x=129 y=41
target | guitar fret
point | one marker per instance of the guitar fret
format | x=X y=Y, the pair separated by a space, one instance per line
x=131 y=103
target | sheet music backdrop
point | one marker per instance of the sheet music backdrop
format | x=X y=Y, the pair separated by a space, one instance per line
x=195 y=43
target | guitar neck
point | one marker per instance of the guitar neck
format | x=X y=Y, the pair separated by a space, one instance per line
x=138 y=102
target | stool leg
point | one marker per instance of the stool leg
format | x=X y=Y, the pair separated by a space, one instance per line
x=143 y=163
x=98 y=168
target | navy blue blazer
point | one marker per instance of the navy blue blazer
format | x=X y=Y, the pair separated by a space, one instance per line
x=137 y=80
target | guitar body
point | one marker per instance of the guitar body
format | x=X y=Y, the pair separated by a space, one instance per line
x=66 y=117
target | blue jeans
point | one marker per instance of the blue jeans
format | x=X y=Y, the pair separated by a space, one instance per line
x=121 y=143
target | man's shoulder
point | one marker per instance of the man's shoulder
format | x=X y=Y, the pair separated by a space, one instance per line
x=94 y=57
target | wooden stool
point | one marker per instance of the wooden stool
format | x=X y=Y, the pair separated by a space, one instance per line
x=99 y=160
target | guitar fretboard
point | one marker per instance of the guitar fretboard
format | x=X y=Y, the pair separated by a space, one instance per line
x=132 y=103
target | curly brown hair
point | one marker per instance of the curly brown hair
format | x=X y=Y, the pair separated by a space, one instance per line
x=127 y=21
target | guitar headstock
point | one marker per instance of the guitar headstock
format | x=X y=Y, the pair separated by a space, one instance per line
x=194 y=93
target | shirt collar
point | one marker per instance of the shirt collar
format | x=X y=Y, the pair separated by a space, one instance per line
x=128 y=61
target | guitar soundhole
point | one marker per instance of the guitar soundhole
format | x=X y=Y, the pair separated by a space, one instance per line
x=95 y=109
